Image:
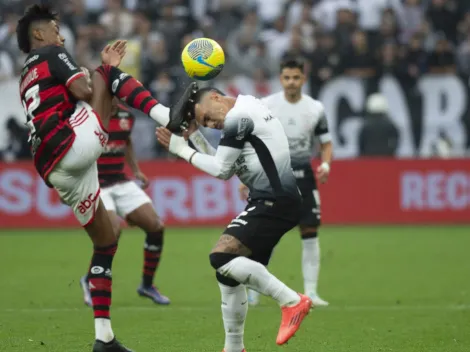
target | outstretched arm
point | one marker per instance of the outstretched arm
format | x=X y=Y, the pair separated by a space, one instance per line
x=201 y=144
x=219 y=165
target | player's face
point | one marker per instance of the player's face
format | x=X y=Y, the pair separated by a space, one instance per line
x=211 y=111
x=50 y=34
x=292 y=80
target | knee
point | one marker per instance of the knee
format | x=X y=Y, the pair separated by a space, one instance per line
x=155 y=225
x=118 y=233
x=308 y=232
x=224 y=280
x=218 y=259
x=117 y=229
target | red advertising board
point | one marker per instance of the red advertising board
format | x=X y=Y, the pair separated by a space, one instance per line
x=358 y=192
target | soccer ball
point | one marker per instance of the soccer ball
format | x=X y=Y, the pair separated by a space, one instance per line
x=203 y=59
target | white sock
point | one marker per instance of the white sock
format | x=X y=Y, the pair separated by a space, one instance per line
x=234 y=309
x=161 y=114
x=255 y=275
x=310 y=264
x=103 y=331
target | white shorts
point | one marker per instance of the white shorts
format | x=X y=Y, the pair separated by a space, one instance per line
x=123 y=198
x=75 y=177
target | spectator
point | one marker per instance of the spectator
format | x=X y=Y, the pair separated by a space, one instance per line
x=415 y=58
x=173 y=28
x=326 y=59
x=7 y=67
x=442 y=59
x=119 y=23
x=390 y=61
x=463 y=56
x=410 y=19
x=240 y=43
x=361 y=61
x=163 y=88
x=277 y=38
x=389 y=27
x=443 y=16
x=346 y=24
x=17 y=145
x=378 y=136
x=296 y=46
x=463 y=27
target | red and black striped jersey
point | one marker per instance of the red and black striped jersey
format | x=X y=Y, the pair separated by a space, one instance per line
x=47 y=74
x=112 y=161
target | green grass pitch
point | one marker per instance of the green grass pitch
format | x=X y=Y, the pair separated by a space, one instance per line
x=404 y=289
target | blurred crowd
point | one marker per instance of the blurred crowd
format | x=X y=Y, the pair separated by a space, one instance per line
x=363 y=38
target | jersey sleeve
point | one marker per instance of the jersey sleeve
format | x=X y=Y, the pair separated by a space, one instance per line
x=63 y=67
x=237 y=130
x=321 y=129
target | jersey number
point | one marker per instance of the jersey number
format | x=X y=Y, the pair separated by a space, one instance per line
x=31 y=103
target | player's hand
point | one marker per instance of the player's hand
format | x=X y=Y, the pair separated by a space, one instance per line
x=193 y=126
x=113 y=54
x=173 y=143
x=143 y=179
x=243 y=190
x=323 y=171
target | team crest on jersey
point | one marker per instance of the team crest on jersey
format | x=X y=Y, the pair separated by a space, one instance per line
x=124 y=124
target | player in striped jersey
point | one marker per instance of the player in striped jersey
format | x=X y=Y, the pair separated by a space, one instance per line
x=68 y=113
x=123 y=198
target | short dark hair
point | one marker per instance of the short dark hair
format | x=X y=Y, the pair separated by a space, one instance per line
x=203 y=91
x=32 y=14
x=292 y=62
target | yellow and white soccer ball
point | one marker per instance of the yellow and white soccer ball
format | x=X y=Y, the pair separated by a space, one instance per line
x=203 y=59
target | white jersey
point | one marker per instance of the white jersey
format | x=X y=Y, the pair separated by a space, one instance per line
x=253 y=146
x=303 y=121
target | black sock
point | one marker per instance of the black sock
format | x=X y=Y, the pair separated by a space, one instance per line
x=152 y=251
x=100 y=280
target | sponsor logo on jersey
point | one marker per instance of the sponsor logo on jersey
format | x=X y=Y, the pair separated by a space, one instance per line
x=31 y=59
x=66 y=61
x=29 y=78
x=87 y=203
x=102 y=137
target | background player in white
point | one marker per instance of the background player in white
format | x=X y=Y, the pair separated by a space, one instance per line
x=253 y=146
x=304 y=121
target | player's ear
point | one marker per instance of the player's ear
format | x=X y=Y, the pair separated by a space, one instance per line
x=198 y=112
x=37 y=34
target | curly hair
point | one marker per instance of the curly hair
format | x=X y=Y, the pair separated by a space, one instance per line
x=32 y=14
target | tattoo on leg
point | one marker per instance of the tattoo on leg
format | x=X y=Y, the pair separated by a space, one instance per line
x=229 y=244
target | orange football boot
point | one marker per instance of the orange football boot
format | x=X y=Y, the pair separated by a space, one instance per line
x=292 y=317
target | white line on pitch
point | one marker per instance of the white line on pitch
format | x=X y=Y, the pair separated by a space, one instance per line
x=262 y=308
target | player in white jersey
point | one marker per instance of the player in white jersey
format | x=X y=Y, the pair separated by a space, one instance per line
x=304 y=121
x=255 y=148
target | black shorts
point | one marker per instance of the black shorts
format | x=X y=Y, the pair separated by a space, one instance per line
x=310 y=213
x=262 y=224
